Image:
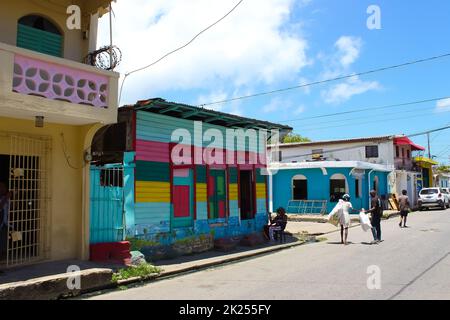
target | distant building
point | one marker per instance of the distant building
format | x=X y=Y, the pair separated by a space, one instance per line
x=388 y=159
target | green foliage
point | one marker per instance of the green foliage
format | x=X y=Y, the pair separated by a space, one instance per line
x=443 y=169
x=143 y=270
x=138 y=244
x=293 y=138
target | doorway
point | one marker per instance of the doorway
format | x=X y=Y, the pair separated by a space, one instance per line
x=246 y=192
x=4 y=179
x=24 y=170
x=217 y=195
x=300 y=188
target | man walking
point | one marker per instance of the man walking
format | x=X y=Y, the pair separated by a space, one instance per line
x=403 y=202
x=377 y=213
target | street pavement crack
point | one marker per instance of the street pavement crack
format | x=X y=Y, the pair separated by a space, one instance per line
x=419 y=276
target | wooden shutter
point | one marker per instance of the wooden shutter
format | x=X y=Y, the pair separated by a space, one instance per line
x=39 y=40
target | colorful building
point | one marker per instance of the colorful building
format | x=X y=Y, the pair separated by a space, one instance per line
x=394 y=154
x=51 y=105
x=325 y=182
x=425 y=165
x=191 y=176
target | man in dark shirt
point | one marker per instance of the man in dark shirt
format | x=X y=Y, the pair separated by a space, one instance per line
x=377 y=213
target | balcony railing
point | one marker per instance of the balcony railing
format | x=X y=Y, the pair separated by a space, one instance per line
x=56 y=86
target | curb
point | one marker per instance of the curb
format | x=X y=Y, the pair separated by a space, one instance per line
x=196 y=267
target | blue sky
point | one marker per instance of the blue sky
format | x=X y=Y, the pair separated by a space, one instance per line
x=271 y=44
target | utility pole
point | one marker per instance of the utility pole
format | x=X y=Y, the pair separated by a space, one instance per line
x=429 y=148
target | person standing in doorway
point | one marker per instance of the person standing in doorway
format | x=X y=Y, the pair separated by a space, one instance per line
x=5 y=196
x=376 y=211
x=403 y=202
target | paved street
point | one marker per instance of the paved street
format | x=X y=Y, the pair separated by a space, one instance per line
x=414 y=264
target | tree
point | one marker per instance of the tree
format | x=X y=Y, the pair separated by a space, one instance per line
x=293 y=138
x=443 y=169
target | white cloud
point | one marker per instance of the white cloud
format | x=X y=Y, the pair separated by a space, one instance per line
x=349 y=49
x=443 y=105
x=344 y=91
x=215 y=96
x=248 y=48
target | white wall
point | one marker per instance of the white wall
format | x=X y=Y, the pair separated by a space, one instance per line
x=355 y=151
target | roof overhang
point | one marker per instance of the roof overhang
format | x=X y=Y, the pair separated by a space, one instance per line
x=187 y=112
x=425 y=161
x=405 y=141
x=332 y=164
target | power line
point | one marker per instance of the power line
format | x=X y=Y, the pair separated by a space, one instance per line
x=369 y=122
x=179 y=48
x=358 y=146
x=328 y=80
x=422 y=111
x=366 y=109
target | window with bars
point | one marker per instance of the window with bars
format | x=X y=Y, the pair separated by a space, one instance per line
x=371 y=152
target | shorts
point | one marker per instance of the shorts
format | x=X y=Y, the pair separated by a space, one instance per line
x=404 y=213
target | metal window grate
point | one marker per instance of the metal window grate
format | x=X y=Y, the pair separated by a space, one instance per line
x=28 y=180
x=314 y=207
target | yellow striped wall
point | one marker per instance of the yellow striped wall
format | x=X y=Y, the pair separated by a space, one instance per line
x=149 y=191
x=201 y=192
x=233 y=189
x=260 y=190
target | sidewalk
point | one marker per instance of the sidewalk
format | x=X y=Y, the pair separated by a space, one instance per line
x=49 y=280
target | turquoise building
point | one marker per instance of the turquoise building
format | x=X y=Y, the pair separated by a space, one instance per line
x=326 y=182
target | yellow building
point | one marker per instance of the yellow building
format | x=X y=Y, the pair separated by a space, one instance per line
x=426 y=165
x=51 y=106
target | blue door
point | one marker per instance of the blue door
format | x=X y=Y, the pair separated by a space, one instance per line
x=107 y=214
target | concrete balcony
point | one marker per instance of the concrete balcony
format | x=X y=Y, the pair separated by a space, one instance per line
x=34 y=84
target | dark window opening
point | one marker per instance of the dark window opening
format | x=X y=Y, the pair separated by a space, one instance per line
x=337 y=189
x=371 y=151
x=246 y=182
x=38 y=22
x=300 y=189
x=397 y=152
x=111 y=178
x=357 y=186
x=408 y=154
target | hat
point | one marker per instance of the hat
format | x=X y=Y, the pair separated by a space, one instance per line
x=346 y=197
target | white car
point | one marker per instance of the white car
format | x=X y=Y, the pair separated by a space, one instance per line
x=433 y=197
x=446 y=192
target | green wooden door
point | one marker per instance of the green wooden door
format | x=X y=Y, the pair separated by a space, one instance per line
x=39 y=40
x=217 y=194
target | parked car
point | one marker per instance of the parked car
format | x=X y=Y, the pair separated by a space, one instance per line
x=433 y=197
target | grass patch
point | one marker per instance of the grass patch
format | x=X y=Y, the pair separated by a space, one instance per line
x=321 y=239
x=143 y=270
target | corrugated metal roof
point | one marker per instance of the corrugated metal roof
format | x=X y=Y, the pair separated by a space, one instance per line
x=342 y=141
x=180 y=110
